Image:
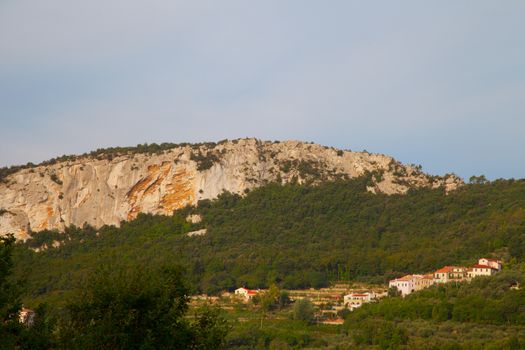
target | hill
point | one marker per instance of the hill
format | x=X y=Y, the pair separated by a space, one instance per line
x=295 y=235
x=108 y=186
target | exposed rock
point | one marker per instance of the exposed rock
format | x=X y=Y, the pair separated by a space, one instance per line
x=194 y=218
x=101 y=191
x=200 y=232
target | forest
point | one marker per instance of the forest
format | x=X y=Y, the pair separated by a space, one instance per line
x=295 y=236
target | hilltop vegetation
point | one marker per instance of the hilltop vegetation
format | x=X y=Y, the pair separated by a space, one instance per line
x=108 y=153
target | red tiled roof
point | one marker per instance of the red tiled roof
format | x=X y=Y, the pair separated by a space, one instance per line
x=359 y=295
x=445 y=269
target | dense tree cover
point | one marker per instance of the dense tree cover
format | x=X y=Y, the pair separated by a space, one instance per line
x=118 y=307
x=138 y=308
x=131 y=307
x=298 y=236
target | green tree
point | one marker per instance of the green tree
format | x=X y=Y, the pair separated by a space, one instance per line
x=394 y=292
x=10 y=304
x=303 y=310
x=284 y=299
x=138 y=308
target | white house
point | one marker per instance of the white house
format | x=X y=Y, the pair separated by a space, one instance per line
x=495 y=264
x=355 y=300
x=411 y=283
x=403 y=284
x=245 y=293
x=481 y=270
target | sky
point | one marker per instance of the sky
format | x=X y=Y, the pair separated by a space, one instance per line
x=436 y=83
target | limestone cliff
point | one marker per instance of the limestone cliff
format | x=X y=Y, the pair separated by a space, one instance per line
x=108 y=189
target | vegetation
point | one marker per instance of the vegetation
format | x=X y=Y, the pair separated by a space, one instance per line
x=118 y=308
x=296 y=237
x=204 y=161
x=54 y=177
x=277 y=236
x=484 y=314
x=303 y=310
x=138 y=309
x=109 y=153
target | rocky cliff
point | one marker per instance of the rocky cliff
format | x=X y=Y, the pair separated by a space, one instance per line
x=107 y=188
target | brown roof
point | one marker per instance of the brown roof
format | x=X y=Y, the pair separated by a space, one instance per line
x=404 y=278
x=445 y=269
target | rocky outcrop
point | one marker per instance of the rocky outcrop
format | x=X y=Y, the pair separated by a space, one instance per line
x=107 y=190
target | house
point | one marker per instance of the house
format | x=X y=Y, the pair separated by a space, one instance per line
x=412 y=283
x=355 y=300
x=423 y=281
x=403 y=284
x=245 y=293
x=450 y=274
x=26 y=316
x=481 y=270
x=495 y=264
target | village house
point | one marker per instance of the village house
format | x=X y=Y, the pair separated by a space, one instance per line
x=423 y=281
x=495 y=264
x=245 y=293
x=355 y=300
x=450 y=274
x=481 y=270
x=411 y=283
x=405 y=284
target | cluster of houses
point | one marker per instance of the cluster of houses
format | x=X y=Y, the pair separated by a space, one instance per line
x=412 y=283
x=329 y=300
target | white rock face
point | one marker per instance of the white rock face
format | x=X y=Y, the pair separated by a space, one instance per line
x=107 y=191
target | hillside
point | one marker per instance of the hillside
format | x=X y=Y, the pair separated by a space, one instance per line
x=108 y=186
x=297 y=236
x=487 y=313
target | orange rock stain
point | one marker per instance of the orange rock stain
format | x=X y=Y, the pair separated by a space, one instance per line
x=146 y=186
x=180 y=192
x=45 y=223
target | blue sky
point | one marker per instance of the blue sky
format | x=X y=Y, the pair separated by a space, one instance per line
x=436 y=83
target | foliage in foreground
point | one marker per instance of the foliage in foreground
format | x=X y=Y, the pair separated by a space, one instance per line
x=117 y=308
x=138 y=309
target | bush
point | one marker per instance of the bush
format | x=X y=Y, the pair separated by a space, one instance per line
x=303 y=310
